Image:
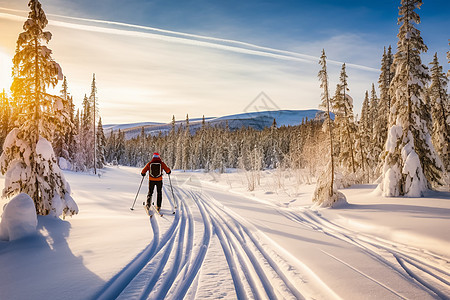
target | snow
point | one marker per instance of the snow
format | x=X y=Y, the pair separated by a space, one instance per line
x=18 y=219
x=227 y=242
x=64 y=164
x=282 y=117
x=414 y=185
x=44 y=149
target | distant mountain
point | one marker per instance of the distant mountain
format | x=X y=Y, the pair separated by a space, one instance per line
x=257 y=120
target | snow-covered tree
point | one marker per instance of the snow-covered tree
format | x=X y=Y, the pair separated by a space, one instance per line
x=326 y=193
x=186 y=141
x=64 y=134
x=365 y=138
x=440 y=109
x=85 y=138
x=28 y=158
x=94 y=110
x=345 y=124
x=5 y=117
x=384 y=103
x=411 y=164
x=376 y=140
x=101 y=145
x=120 y=147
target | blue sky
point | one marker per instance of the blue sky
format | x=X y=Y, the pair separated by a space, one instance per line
x=140 y=68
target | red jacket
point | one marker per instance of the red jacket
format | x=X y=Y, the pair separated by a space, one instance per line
x=147 y=167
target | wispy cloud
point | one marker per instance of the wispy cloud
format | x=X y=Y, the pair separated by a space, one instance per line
x=150 y=74
x=186 y=38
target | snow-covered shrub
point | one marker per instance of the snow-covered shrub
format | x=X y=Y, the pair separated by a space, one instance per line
x=326 y=195
x=19 y=218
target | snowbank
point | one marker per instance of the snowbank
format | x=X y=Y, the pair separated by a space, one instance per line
x=64 y=164
x=19 y=218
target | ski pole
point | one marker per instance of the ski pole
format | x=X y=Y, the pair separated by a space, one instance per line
x=173 y=196
x=132 y=207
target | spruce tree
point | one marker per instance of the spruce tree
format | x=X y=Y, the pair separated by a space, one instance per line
x=440 y=109
x=326 y=193
x=64 y=133
x=376 y=140
x=120 y=147
x=186 y=141
x=365 y=135
x=5 y=117
x=29 y=160
x=344 y=124
x=94 y=109
x=411 y=165
x=101 y=145
x=172 y=142
x=384 y=104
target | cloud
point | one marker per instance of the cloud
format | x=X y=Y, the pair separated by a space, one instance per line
x=191 y=39
x=150 y=74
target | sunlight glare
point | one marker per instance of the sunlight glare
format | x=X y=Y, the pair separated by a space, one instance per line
x=5 y=71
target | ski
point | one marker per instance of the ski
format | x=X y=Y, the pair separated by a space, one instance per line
x=147 y=210
x=159 y=213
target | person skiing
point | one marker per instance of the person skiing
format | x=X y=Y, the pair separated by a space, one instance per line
x=155 y=168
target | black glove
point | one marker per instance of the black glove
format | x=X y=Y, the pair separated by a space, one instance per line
x=143 y=174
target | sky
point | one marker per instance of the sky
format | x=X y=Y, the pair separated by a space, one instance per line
x=155 y=59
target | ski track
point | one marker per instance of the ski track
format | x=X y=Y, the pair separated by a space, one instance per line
x=428 y=270
x=170 y=266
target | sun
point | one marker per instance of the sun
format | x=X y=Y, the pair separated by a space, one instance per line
x=5 y=70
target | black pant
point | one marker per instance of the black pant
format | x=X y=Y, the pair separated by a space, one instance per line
x=151 y=187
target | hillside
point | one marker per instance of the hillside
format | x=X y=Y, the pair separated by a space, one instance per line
x=256 y=120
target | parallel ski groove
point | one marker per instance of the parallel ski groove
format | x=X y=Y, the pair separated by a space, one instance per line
x=373 y=246
x=197 y=262
x=242 y=234
x=254 y=263
x=170 y=278
x=234 y=262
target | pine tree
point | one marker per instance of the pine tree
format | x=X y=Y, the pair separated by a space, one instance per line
x=143 y=157
x=326 y=193
x=365 y=135
x=410 y=161
x=101 y=145
x=63 y=138
x=440 y=109
x=86 y=137
x=186 y=141
x=94 y=105
x=384 y=104
x=376 y=140
x=344 y=124
x=5 y=117
x=29 y=160
x=172 y=142
x=120 y=148
x=111 y=148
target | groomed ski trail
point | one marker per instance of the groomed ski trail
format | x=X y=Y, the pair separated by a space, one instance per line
x=173 y=263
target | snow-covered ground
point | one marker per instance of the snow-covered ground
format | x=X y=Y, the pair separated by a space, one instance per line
x=226 y=242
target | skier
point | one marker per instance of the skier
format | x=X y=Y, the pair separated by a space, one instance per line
x=155 y=167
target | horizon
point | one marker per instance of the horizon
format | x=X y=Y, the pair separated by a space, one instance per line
x=153 y=60
x=209 y=118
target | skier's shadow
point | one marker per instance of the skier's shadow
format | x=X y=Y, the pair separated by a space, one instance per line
x=45 y=265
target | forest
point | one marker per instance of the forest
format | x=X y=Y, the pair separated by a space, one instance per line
x=400 y=139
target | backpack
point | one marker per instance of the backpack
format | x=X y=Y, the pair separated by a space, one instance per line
x=155 y=170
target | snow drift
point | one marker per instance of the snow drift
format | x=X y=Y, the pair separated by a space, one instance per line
x=19 y=218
